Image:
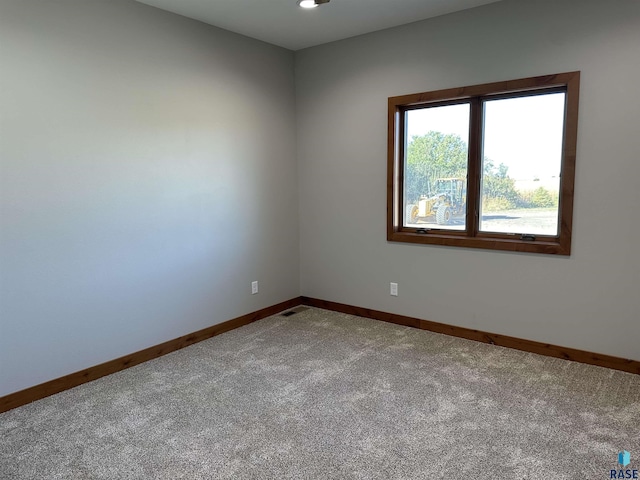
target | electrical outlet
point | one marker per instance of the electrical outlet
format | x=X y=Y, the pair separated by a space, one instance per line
x=254 y=287
x=393 y=290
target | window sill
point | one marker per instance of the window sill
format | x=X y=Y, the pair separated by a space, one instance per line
x=546 y=246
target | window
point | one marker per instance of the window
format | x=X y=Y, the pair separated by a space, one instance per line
x=487 y=166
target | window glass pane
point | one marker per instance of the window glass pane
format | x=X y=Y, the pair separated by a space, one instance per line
x=435 y=175
x=522 y=153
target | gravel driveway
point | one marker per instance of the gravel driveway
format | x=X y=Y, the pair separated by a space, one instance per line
x=537 y=221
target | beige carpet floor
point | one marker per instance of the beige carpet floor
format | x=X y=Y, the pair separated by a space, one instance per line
x=324 y=395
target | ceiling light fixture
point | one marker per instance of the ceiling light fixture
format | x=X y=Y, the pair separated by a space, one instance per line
x=311 y=3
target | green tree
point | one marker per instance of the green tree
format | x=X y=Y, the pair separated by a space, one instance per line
x=542 y=198
x=431 y=156
x=498 y=189
x=438 y=155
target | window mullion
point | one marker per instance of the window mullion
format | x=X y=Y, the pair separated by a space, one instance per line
x=474 y=167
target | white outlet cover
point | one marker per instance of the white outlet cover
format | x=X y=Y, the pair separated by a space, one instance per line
x=393 y=289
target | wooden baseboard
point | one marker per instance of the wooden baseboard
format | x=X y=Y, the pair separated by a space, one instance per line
x=616 y=363
x=57 y=385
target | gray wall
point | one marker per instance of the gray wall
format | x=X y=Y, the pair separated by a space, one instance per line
x=147 y=177
x=590 y=300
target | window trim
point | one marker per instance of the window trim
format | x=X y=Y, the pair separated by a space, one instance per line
x=472 y=238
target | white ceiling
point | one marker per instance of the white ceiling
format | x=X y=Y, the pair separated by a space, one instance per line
x=283 y=23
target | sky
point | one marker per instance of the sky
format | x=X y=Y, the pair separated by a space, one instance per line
x=524 y=133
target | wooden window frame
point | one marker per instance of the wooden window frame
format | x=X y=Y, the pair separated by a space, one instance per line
x=473 y=238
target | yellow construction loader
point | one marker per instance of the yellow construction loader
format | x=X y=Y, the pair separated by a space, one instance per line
x=448 y=201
